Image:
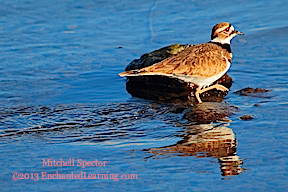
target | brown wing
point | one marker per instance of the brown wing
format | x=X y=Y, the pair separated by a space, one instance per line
x=201 y=60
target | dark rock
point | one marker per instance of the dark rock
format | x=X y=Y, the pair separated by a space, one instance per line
x=168 y=89
x=209 y=112
x=250 y=91
x=246 y=117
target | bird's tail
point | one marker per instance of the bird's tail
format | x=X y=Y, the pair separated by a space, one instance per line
x=128 y=73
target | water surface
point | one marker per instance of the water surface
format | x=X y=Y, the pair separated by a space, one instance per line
x=61 y=97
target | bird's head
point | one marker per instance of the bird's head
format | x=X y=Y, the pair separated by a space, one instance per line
x=223 y=33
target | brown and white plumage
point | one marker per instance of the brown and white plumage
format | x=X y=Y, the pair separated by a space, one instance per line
x=200 y=64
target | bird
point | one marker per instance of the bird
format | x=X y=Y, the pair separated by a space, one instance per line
x=200 y=64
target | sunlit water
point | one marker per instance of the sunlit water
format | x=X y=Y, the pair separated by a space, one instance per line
x=61 y=97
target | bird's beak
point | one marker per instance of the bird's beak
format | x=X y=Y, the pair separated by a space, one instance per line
x=238 y=33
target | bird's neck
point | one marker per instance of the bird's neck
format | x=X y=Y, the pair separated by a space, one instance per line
x=224 y=46
x=222 y=41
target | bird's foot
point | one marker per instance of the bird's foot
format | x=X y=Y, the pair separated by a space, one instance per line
x=220 y=87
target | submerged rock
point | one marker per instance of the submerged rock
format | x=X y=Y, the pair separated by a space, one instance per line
x=209 y=112
x=250 y=91
x=246 y=117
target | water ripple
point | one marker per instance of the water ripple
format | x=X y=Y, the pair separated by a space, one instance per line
x=95 y=123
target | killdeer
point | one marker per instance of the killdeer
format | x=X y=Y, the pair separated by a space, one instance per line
x=201 y=64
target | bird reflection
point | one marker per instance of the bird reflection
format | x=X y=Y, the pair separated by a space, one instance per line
x=207 y=138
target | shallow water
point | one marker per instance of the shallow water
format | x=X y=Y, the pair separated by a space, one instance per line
x=61 y=97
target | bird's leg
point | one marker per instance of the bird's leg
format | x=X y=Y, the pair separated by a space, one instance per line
x=197 y=94
x=221 y=87
x=200 y=91
x=216 y=86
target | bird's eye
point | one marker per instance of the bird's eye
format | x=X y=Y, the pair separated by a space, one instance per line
x=227 y=29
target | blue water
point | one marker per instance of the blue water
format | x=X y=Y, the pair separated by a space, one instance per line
x=61 y=96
